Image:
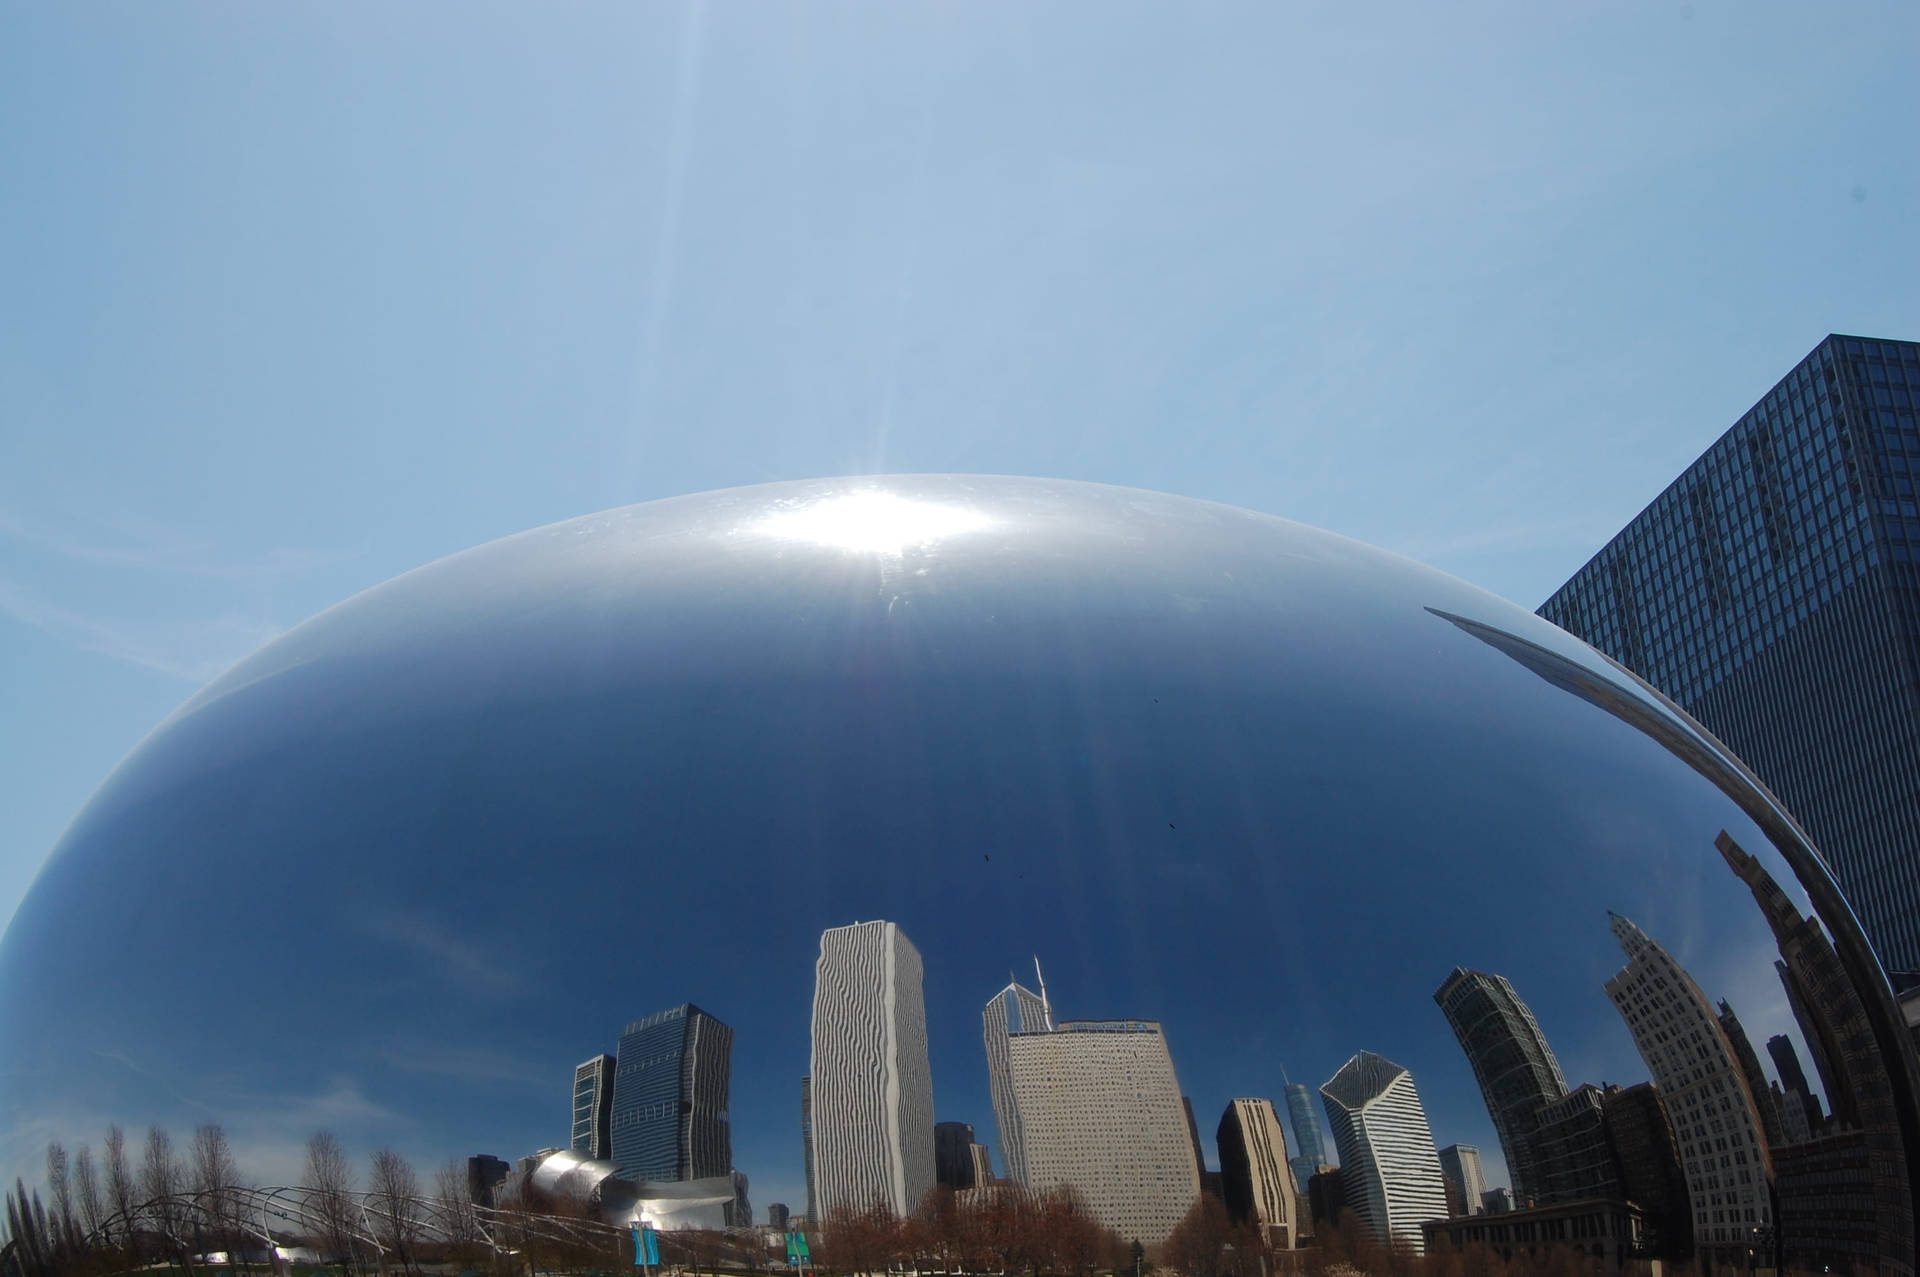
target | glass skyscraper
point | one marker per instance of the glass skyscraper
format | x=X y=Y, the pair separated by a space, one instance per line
x=670 y=1088
x=1516 y=1069
x=1772 y=591
x=1312 y=1153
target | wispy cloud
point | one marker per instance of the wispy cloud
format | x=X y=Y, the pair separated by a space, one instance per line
x=193 y=650
x=179 y=635
x=464 y=1064
x=466 y=963
x=149 y=547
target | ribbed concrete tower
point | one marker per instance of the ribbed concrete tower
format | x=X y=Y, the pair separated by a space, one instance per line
x=1705 y=1093
x=1389 y=1169
x=1254 y=1177
x=1015 y=1009
x=871 y=1092
x=1515 y=1067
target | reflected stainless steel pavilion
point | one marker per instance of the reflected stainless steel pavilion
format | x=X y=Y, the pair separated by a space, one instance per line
x=1258 y=786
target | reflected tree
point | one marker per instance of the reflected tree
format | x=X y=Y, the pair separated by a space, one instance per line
x=329 y=1182
x=394 y=1187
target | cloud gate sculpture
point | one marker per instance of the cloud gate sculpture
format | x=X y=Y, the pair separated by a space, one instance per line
x=1302 y=819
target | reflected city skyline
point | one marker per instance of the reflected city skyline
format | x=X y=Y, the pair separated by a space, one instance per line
x=1262 y=817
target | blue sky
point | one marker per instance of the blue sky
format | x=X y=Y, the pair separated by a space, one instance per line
x=301 y=296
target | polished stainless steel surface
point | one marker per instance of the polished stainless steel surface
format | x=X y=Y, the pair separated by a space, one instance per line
x=1261 y=784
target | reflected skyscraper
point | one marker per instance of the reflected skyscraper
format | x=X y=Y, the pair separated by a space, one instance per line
x=953 y=1154
x=1460 y=1164
x=872 y=1087
x=670 y=1094
x=1714 y=1118
x=1390 y=1172
x=1771 y=592
x=593 y=1107
x=1311 y=1150
x=1254 y=1177
x=1793 y=1079
x=1650 y=1172
x=1749 y=1061
x=1015 y=1009
x=1099 y=1108
x=1511 y=1060
x=1869 y=1148
x=1576 y=1161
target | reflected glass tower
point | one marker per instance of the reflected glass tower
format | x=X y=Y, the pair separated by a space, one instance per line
x=1390 y=1173
x=1099 y=1104
x=1714 y=1118
x=1312 y=1150
x=593 y=1107
x=953 y=1154
x=669 y=1116
x=1515 y=1067
x=1254 y=1177
x=1773 y=591
x=1015 y=1009
x=872 y=1086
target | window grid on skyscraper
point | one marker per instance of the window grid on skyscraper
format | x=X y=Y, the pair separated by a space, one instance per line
x=1772 y=591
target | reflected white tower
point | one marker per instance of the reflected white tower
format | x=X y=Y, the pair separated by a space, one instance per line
x=1015 y=1009
x=871 y=1091
x=1100 y=1112
x=1387 y=1160
x=1714 y=1117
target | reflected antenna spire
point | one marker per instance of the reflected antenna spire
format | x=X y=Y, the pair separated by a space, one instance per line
x=1046 y=1007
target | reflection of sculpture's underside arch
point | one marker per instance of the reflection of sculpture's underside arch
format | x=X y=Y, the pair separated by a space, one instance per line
x=364 y=1225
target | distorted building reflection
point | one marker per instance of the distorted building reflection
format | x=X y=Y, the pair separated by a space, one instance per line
x=1390 y=1170
x=1846 y=1013
x=1722 y=1149
x=1460 y=1164
x=1846 y=1190
x=1516 y=1069
x=1259 y=796
x=593 y=1107
x=1254 y=1176
x=1099 y=1107
x=871 y=1094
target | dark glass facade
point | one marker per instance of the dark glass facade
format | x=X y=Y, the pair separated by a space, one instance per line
x=953 y=1154
x=670 y=1119
x=1516 y=1069
x=1772 y=590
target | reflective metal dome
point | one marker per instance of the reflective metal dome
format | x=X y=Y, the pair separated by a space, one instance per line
x=1296 y=800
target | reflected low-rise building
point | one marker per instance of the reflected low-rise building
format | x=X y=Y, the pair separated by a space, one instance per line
x=1606 y=1232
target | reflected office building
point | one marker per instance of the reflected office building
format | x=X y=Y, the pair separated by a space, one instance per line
x=1134 y=731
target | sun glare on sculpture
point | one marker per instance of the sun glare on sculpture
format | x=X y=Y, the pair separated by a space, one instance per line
x=872 y=522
